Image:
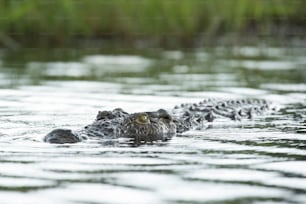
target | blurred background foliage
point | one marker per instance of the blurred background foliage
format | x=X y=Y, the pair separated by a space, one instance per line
x=163 y=22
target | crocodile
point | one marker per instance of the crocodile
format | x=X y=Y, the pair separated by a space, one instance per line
x=143 y=127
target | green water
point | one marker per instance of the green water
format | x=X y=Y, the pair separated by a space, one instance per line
x=251 y=161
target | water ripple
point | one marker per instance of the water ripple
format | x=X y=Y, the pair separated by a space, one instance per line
x=248 y=161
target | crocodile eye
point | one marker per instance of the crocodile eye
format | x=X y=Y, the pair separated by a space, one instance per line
x=142 y=118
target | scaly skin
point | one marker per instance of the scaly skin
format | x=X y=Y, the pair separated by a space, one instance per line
x=161 y=124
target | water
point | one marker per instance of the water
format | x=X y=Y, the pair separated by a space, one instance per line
x=257 y=161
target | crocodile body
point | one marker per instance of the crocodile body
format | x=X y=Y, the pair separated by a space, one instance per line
x=161 y=124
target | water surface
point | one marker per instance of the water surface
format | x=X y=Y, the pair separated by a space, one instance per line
x=250 y=161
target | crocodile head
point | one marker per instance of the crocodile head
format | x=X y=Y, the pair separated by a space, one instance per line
x=148 y=126
x=140 y=127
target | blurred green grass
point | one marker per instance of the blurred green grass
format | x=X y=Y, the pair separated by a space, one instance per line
x=59 y=22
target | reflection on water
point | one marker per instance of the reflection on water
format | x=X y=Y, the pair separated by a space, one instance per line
x=257 y=161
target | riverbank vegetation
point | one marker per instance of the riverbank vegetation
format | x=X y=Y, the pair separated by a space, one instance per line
x=159 y=22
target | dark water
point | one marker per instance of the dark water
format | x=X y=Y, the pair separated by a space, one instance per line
x=257 y=161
